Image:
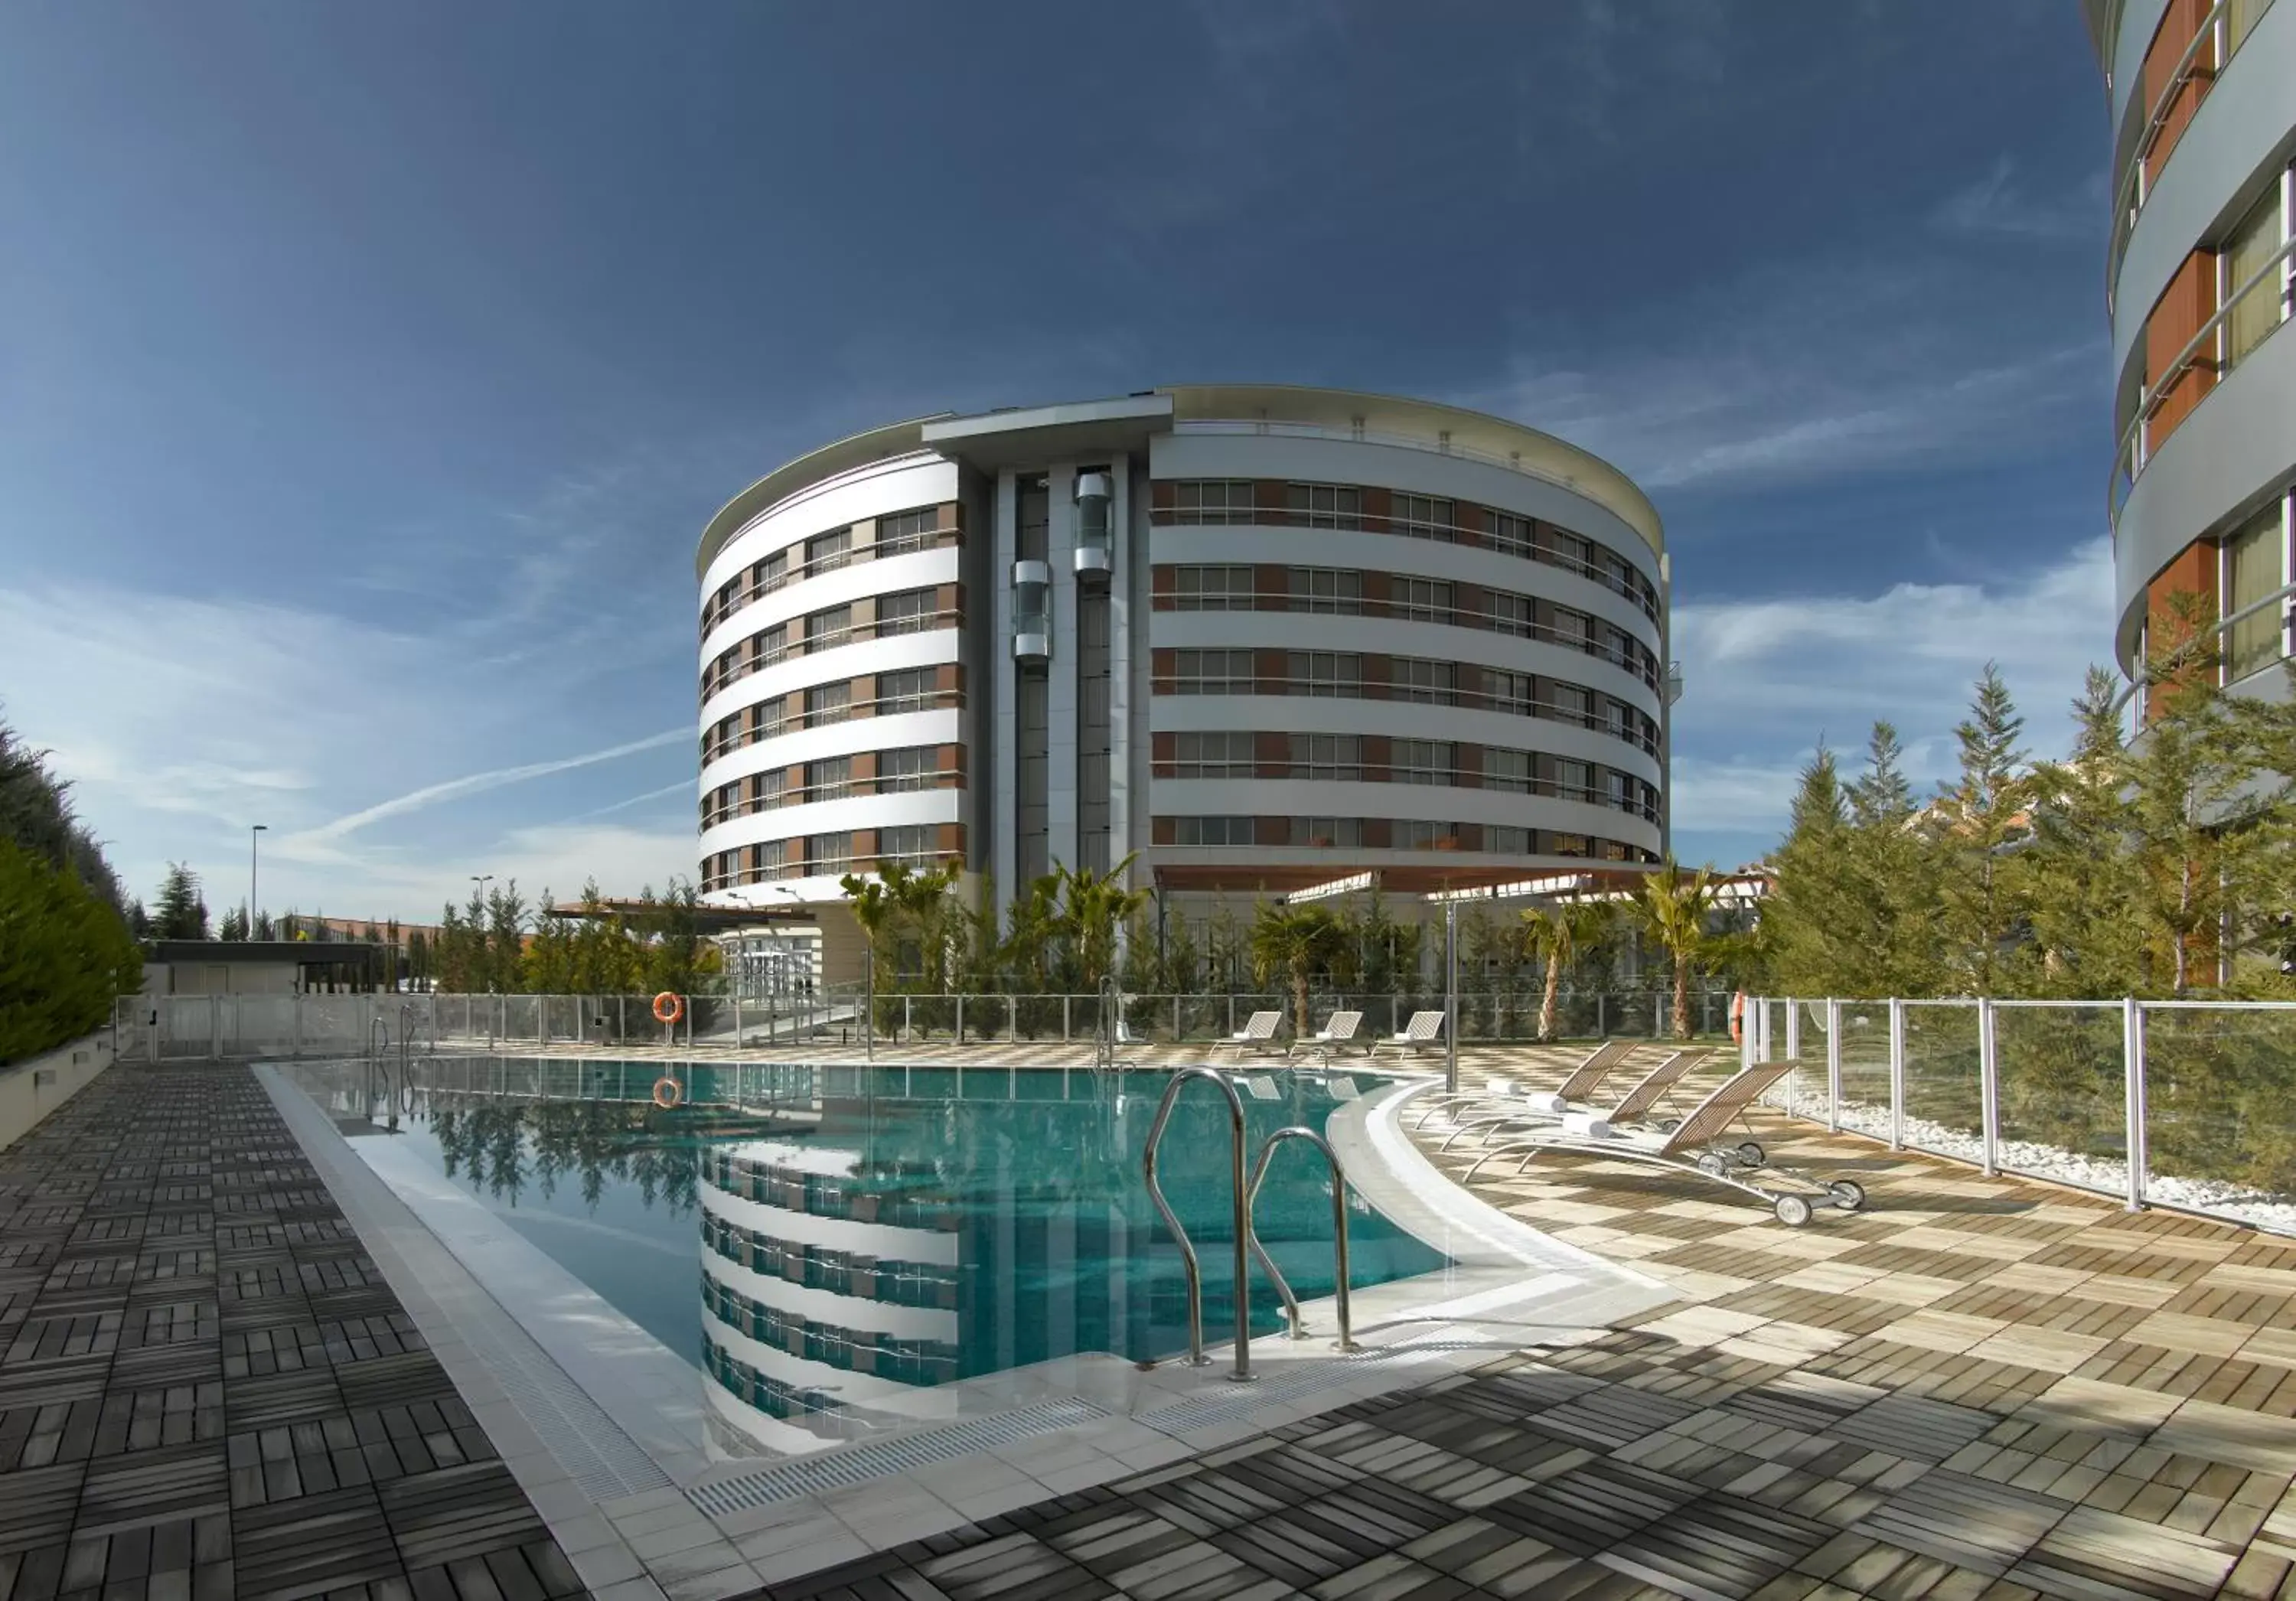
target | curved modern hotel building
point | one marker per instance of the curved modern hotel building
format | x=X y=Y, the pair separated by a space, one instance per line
x=1263 y=637
x=2203 y=103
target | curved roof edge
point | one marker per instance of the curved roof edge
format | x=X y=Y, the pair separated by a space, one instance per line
x=1472 y=435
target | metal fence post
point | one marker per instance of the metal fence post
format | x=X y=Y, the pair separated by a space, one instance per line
x=2132 y=1067
x=1834 y=1067
x=1658 y=1017
x=1602 y=1023
x=1989 y=1087
x=909 y=1023
x=1897 y=1075
x=214 y=1028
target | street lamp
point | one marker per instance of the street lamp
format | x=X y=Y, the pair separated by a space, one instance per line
x=252 y=902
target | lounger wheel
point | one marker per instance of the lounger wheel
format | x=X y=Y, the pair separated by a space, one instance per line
x=1667 y=1125
x=1792 y=1210
x=1752 y=1155
x=1713 y=1163
x=1848 y=1194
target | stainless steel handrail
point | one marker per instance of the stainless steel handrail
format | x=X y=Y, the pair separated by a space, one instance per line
x=2222 y=626
x=2149 y=398
x=1338 y=1230
x=1244 y=1242
x=2127 y=205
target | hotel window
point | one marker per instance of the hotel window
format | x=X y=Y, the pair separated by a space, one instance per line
x=1508 y=613
x=1569 y=550
x=1325 y=506
x=1332 y=758
x=1333 y=589
x=1420 y=600
x=1430 y=682
x=910 y=768
x=1510 y=534
x=770 y=646
x=772 y=570
x=1213 y=588
x=1423 y=517
x=908 y=690
x=825 y=628
x=1619 y=646
x=1508 y=770
x=1510 y=691
x=828 y=778
x=2255 y=566
x=770 y=859
x=826 y=552
x=828 y=853
x=828 y=702
x=911 y=844
x=1215 y=501
x=1574 y=629
x=1423 y=761
x=910 y=611
x=1566 y=844
x=2254 y=239
x=1211 y=831
x=1568 y=702
x=1571 y=779
x=1326 y=674
x=1417 y=833
x=1344 y=832
x=1227 y=755
x=1506 y=840
x=1212 y=672
x=906 y=531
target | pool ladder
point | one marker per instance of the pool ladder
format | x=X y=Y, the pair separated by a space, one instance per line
x=1246 y=1239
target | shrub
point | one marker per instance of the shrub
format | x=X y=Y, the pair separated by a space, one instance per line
x=64 y=956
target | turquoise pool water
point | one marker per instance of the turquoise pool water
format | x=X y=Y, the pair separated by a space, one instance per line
x=813 y=1236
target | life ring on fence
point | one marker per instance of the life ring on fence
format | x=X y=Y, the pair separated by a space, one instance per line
x=668 y=1007
x=667 y=1092
x=1737 y=1015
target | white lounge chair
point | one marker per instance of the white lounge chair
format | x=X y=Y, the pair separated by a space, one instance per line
x=1338 y=1029
x=1424 y=1030
x=1257 y=1035
x=1500 y=1095
x=1635 y=1106
x=1694 y=1147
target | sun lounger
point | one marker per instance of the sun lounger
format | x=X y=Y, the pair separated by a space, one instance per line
x=1695 y=1147
x=1257 y=1035
x=1577 y=1085
x=1638 y=1105
x=1338 y=1029
x=1425 y=1029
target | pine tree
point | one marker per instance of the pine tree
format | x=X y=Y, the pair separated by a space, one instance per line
x=139 y=921
x=2085 y=916
x=1891 y=877
x=1982 y=907
x=1809 y=923
x=264 y=929
x=181 y=913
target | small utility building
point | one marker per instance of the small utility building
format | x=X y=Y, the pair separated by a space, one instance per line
x=262 y=967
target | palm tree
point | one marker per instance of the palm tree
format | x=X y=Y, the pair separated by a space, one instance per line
x=1093 y=906
x=1673 y=905
x=1555 y=935
x=1295 y=941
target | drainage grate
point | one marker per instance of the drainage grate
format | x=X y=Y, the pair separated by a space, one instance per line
x=836 y=1470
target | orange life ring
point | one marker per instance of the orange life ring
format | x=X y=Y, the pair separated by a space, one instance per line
x=667 y=1092
x=1737 y=1015
x=668 y=1007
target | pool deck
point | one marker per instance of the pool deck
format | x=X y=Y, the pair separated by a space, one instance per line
x=1976 y=1388
x=1979 y=1387
x=206 y=1388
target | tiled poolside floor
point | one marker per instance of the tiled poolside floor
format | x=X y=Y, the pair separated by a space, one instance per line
x=206 y=1388
x=1980 y=1388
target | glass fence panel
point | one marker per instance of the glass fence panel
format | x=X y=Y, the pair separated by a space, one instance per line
x=1865 y=1068
x=2220 y=1110
x=2062 y=1080
x=1942 y=1095
x=521 y=1017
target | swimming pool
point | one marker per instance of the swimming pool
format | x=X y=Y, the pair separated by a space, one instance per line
x=822 y=1238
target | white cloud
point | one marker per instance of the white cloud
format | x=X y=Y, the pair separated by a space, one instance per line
x=472 y=784
x=1997 y=204
x=1765 y=679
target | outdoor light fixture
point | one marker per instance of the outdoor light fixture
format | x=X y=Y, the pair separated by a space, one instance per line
x=1348 y=885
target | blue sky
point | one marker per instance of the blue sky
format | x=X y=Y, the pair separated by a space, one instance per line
x=366 y=373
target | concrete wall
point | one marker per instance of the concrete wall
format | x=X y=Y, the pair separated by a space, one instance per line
x=30 y=1090
x=219 y=978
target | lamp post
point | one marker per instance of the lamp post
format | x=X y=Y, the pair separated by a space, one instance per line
x=253 y=901
x=482 y=880
x=1451 y=997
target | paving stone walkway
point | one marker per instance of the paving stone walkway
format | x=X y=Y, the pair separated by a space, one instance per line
x=1980 y=1388
x=206 y=1389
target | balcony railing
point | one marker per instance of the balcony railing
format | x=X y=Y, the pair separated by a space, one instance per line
x=822 y=718
x=798 y=795
x=2134 y=453
x=723 y=674
x=724 y=605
